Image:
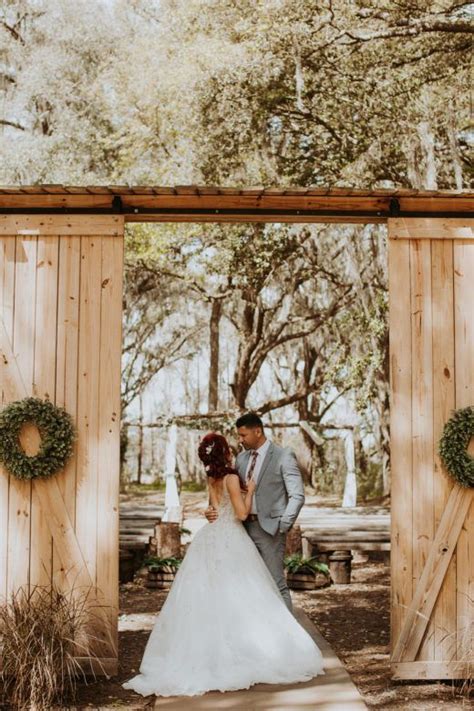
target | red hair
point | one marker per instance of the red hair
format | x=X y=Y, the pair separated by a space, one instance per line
x=215 y=453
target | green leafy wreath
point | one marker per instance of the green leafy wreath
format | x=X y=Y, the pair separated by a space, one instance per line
x=57 y=432
x=453 y=444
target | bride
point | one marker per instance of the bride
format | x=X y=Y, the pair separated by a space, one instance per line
x=224 y=625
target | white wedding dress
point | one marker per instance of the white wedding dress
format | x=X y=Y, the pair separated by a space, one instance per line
x=224 y=624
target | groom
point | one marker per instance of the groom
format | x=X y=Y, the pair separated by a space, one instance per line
x=278 y=497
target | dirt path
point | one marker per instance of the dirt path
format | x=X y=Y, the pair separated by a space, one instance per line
x=355 y=621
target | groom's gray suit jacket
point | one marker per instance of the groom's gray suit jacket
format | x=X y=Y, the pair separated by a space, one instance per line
x=279 y=494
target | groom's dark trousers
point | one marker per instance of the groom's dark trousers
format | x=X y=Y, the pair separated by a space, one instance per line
x=272 y=550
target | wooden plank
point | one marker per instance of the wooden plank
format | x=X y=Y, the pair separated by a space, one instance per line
x=87 y=512
x=250 y=219
x=110 y=356
x=53 y=188
x=67 y=373
x=7 y=295
x=346 y=198
x=260 y=201
x=23 y=351
x=143 y=538
x=422 y=415
x=188 y=189
x=64 y=225
x=432 y=670
x=463 y=253
x=54 y=508
x=436 y=204
x=339 y=190
x=432 y=576
x=401 y=431
x=431 y=228
x=350 y=536
x=132 y=543
x=444 y=617
x=44 y=387
x=152 y=516
x=76 y=569
x=354 y=546
x=47 y=267
x=7 y=283
x=11 y=377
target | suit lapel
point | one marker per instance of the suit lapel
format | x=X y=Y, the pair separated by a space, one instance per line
x=265 y=464
x=243 y=465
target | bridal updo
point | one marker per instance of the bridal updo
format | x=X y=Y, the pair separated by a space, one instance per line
x=214 y=452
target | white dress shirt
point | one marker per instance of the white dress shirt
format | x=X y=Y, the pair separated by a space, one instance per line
x=261 y=451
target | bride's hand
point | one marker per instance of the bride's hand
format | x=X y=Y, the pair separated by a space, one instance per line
x=211 y=514
x=251 y=486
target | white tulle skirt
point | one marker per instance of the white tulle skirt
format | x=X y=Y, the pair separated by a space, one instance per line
x=224 y=625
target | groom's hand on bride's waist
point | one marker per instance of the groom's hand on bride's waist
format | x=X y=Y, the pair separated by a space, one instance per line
x=211 y=514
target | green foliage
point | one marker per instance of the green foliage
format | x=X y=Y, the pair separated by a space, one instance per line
x=332 y=96
x=57 y=432
x=191 y=485
x=136 y=488
x=453 y=444
x=156 y=564
x=369 y=482
x=296 y=563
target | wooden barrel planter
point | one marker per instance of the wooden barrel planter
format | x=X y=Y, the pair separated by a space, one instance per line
x=161 y=572
x=160 y=578
x=305 y=574
x=307 y=581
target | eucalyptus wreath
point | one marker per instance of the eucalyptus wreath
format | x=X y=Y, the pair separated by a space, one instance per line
x=453 y=444
x=57 y=433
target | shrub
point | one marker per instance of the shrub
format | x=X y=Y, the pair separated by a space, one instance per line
x=41 y=631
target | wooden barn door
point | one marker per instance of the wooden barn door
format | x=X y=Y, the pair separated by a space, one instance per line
x=60 y=338
x=431 y=297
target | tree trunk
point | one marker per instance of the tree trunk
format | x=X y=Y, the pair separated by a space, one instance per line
x=350 y=486
x=427 y=143
x=140 y=442
x=216 y=313
x=454 y=148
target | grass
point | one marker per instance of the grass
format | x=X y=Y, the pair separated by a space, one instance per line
x=41 y=633
x=159 y=485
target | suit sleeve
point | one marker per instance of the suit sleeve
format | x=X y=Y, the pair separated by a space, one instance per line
x=294 y=487
x=238 y=463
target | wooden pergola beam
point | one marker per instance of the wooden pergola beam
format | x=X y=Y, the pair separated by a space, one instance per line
x=219 y=204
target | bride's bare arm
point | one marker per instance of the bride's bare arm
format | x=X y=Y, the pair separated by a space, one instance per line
x=211 y=512
x=241 y=505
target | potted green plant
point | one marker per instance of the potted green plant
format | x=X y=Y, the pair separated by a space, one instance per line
x=161 y=572
x=306 y=573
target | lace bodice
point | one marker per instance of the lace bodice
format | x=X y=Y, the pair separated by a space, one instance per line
x=225 y=508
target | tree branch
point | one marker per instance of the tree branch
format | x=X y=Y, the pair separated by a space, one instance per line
x=14 y=33
x=14 y=124
x=282 y=401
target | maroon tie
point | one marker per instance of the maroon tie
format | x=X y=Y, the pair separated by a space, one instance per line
x=252 y=465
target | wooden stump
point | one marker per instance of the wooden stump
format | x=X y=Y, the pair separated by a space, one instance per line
x=294 y=541
x=166 y=543
x=340 y=567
